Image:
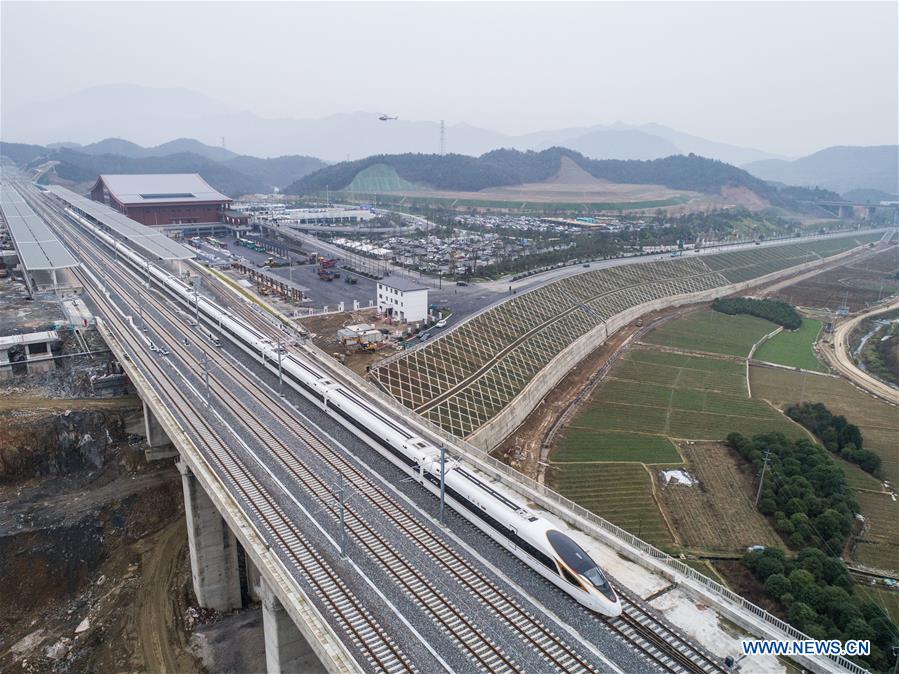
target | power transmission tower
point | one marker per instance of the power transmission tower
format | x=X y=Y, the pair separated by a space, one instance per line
x=762 y=478
x=442 y=137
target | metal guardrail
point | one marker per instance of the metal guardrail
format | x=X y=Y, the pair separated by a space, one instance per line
x=511 y=476
x=514 y=477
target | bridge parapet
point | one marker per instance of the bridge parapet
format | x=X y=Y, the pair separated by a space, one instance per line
x=279 y=584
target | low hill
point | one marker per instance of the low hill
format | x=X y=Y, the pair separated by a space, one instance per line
x=126 y=148
x=228 y=172
x=511 y=167
x=82 y=168
x=21 y=154
x=837 y=168
x=866 y=196
x=275 y=171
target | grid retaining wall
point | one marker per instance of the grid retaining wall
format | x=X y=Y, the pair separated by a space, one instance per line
x=514 y=414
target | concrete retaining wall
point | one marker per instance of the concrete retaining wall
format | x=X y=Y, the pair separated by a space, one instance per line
x=513 y=415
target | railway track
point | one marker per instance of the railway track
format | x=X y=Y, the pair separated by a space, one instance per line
x=653 y=637
x=662 y=643
x=482 y=650
x=650 y=635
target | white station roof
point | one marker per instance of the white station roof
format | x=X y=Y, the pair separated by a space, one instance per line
x=158 y=188
x=37 y=246
x=156 y=244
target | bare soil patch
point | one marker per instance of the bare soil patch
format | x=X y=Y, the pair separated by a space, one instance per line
x=741 y=581
x=855 y=283
x=324 y=330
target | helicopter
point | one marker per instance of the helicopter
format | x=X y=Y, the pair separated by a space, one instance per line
x=387 y=118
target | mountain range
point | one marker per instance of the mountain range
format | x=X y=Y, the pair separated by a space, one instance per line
x=503 y=168
x=228 y=172
x=842 y=169
x=150 y=116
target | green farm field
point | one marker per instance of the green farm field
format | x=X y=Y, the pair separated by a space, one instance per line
x=581 y=446
x=619 y=492
x=793 y=347
x=689 y=397
x=712 y=332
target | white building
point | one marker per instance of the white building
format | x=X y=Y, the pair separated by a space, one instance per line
x=403 y=299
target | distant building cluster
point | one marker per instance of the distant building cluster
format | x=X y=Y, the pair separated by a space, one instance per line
x=281 y=214
x=516 y=222
x=463 y=252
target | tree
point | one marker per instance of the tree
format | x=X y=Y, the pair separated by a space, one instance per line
x=859 y=629
x=768 y=566
x=811 y=560
x=800 y=580
x=777 y=585
x=801 y=614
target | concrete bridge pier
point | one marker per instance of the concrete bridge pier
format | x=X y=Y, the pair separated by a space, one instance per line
x=254 y=582
x=286 y=650
x=5 y=367
x=213 y=548
x=158 y=444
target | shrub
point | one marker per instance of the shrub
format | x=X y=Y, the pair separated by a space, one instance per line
x=775 y=311
x=836 y=434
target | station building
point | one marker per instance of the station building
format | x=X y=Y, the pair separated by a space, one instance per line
x=403 y=299
x=176 y=202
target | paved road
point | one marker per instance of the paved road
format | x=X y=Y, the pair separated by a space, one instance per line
x=462 y=300
x=838 y=355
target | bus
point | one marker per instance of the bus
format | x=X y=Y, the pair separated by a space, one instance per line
x=212 y=241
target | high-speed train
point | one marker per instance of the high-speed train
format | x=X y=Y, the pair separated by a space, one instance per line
x=550 y=552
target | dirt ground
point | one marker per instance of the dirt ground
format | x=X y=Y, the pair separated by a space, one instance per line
x=740 y=580
x=324 y=336
x=78 y=556
x=855 y=281
x=724 y=493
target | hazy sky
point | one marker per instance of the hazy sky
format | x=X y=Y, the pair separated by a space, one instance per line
x=787 y=78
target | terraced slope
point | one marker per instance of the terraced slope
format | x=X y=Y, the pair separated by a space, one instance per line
x=467 y=376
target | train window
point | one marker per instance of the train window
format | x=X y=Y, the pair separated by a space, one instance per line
x=571 y=579
x=577 y=558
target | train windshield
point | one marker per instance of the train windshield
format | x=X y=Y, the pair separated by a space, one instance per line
x=577 y=558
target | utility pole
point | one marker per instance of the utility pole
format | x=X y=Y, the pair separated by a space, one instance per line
x=762 y=478
x=140 y=308
x=442 y=482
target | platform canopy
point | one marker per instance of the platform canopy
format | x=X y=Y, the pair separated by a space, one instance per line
x=153 y=243
x=38 y=247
